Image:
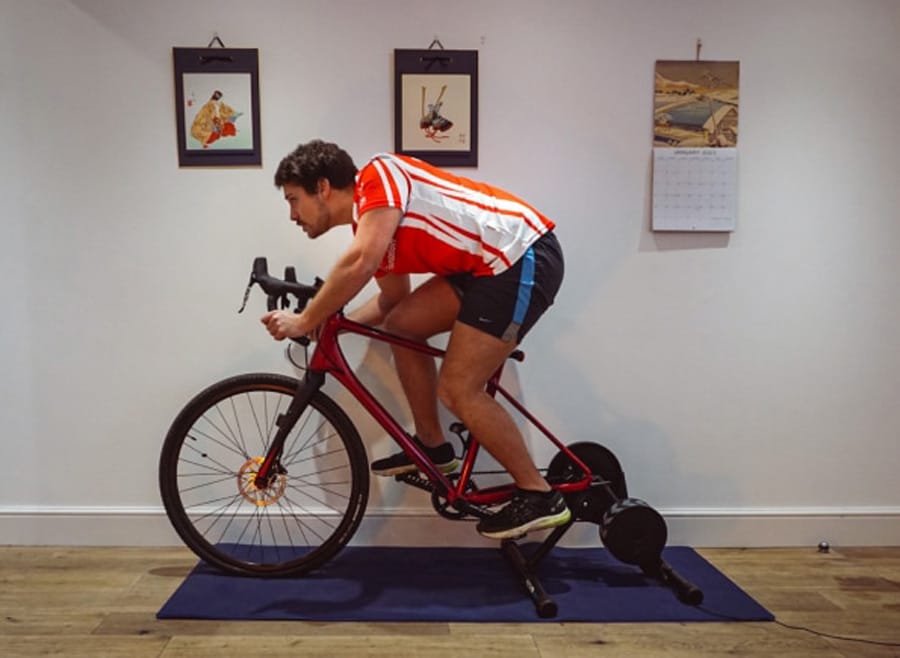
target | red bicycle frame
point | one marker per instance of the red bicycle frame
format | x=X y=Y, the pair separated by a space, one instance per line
x=328 y=358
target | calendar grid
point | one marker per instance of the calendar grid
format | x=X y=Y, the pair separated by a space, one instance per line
x=694 y=189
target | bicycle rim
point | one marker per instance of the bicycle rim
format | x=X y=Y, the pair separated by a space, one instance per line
x=207 y=478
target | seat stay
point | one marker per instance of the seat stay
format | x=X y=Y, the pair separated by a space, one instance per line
x=587 y=477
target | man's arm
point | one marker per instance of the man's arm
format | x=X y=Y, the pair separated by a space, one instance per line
x=349 y=275
x=392 y=288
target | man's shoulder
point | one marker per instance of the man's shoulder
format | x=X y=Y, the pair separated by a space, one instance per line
x=387 y=169
x=395 y=159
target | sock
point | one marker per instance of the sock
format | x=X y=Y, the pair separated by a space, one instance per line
x=544 y=494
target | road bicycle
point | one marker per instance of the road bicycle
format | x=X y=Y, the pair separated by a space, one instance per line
x=266 y=475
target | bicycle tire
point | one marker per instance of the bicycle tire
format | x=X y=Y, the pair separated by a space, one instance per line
x=590 y=504
x=303 y=519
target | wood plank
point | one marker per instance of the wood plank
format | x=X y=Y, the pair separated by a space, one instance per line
x=82 y=646
x=684 y=641
x=371 y=646
x=72 y=601
x=116 y=623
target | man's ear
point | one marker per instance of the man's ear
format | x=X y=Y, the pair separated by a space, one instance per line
x=324 y=187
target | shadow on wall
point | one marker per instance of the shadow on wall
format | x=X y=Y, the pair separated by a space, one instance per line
x=651 y=240
x=645 y=450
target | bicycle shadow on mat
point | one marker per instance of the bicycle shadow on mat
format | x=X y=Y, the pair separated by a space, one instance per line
x=422 y=583
x=393 y=584
x=369 y=579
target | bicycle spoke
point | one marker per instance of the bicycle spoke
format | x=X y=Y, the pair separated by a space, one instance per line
x=237 y=423
x=208 y=464
x=228 y=444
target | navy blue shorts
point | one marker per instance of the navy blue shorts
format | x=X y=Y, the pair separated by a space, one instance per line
x=508 y=304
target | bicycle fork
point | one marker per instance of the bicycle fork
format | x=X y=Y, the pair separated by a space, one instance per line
x=271 y=466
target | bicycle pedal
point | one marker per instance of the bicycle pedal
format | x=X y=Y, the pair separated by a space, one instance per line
x=415 y=480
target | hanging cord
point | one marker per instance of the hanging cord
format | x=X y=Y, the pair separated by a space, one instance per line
x=430 y=60
x=206 y=59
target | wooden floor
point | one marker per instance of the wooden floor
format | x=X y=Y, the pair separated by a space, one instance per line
x=97 y=602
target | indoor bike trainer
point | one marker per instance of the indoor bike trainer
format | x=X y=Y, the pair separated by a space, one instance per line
x=632 y=531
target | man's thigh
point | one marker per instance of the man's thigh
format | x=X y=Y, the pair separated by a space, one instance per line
x=429 y=309
x=473 y=356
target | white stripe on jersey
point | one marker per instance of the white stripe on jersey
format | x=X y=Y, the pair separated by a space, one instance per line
x=388 y=190
x=478 y=223
x=388 y=168
x=503 y=206
x=437 y=231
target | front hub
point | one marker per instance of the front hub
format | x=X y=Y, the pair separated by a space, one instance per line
x=257 y=491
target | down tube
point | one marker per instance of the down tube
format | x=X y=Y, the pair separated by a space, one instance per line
x=342 y=372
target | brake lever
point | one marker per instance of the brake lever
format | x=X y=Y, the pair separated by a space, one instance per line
x=247 y=294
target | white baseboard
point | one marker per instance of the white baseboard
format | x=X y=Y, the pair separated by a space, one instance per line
x=148 y=526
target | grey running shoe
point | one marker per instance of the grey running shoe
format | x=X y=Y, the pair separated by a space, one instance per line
x=527 y=511
x=442 y=456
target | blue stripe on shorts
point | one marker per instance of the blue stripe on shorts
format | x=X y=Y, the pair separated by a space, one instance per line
x=526 y=283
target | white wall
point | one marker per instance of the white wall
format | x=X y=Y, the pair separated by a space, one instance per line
x=748 y=382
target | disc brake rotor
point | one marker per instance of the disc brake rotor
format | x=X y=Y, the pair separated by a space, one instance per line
x=259 y=496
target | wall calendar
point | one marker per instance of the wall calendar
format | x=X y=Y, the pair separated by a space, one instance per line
x=694 y=189
x=695 y=134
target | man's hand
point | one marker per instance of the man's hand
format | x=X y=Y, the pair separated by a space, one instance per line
x=284 y=324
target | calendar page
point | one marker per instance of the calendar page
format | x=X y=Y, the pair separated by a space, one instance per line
x=694 y=189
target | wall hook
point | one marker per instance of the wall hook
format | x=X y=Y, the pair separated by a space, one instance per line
x=430 y=60
x=209 y=59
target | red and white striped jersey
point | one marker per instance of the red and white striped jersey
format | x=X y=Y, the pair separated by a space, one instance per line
x=450 y=224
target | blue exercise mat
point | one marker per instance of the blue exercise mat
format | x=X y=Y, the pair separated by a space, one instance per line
x=463 y=585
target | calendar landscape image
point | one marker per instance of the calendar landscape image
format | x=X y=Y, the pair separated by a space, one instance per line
x=696 y=104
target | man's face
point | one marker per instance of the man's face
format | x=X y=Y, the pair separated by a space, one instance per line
x=308 y=211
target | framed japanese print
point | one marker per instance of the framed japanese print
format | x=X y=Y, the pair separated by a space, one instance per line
x=217 y=106
x=436 y=106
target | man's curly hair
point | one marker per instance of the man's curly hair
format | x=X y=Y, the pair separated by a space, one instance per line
x=309 y=163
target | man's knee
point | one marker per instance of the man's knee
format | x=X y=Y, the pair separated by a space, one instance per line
x=393 y=321
x=397 y=321
x=455 y=392
x=449 y=393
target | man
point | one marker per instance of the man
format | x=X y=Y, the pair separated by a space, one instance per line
x=214 y=120
x=497 y=267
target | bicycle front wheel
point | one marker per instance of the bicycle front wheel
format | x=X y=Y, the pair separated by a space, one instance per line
x=302 y=517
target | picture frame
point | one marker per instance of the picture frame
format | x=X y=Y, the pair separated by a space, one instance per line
x=217 y=107
x=436 y=106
